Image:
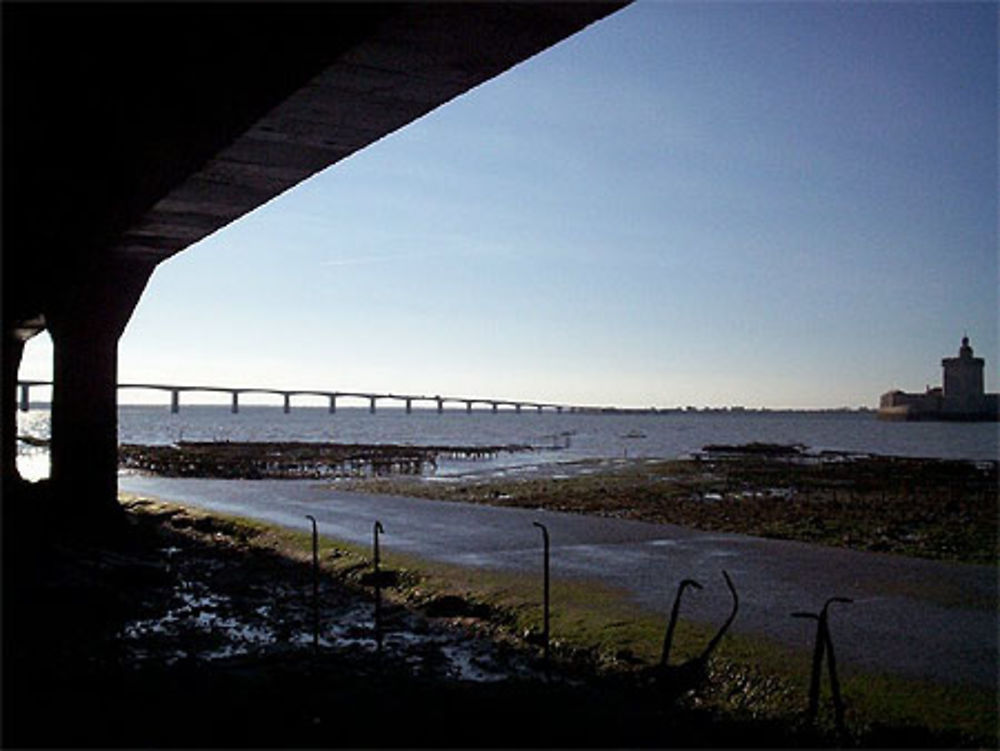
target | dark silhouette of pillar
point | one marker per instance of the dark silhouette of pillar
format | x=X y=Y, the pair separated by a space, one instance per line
x=288 y=403
x=235 y=408
x=84 y=414
x=13 y=350
x=175 y=401
x=371 y=405
x=468 y=407
x=440 y=402
x=409 y=406
x=86 y=318
x=333 y=404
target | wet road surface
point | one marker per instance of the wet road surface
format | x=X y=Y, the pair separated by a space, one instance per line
x=911 y=617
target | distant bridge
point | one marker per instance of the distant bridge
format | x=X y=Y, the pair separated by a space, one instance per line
x=287 y=394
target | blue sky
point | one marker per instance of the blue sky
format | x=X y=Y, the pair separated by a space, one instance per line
x=765 y=204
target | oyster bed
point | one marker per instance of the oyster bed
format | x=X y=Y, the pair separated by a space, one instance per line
x=294 y=460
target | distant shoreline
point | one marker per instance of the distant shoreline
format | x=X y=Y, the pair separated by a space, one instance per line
x=734 y=410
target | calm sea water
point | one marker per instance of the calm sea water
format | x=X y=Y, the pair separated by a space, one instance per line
x=577 y=436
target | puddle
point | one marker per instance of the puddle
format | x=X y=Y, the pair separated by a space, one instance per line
x=202 y=625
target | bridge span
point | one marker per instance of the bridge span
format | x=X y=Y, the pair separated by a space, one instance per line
x=287 y=394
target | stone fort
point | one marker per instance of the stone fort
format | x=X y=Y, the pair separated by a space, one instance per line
x=962 y=397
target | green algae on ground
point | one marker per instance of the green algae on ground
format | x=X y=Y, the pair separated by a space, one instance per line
x=937 y=509
x=598 y=631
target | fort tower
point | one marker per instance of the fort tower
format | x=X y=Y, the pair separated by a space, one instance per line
x=963 y=375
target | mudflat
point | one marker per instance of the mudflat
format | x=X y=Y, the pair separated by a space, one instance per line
x=929 y=508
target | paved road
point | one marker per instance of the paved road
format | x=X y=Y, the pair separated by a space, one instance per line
x=910 y=616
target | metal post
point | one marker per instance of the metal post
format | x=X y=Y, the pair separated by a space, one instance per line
x=668 y=638
x=545 y=612
x=823 y=645
x=817 y=665
x=25 y=401
x=838 y=702
x=315 y=581
x=378 y=586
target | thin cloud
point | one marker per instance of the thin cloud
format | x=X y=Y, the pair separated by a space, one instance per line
x=361 y=260
x=415 y=256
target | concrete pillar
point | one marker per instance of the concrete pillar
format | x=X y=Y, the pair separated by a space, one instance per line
x=409 y=406
x=25 y=397
x=236 y=403
x=175 y=402
x=371 y=405
x=333 y=404
x=288 y=403
x=12 y=352
x=88 y=309
x=84 y=430
x=440 y=402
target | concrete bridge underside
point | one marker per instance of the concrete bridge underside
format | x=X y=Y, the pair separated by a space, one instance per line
x=132 y=131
